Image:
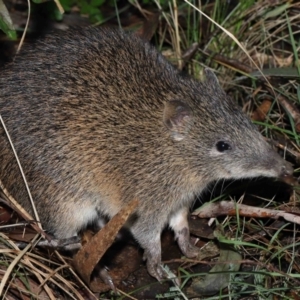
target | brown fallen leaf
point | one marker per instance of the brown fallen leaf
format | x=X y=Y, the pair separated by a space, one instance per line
x=90 y=254
x=260 y=113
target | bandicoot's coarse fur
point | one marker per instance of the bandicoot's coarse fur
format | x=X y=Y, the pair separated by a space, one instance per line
x=98 y=117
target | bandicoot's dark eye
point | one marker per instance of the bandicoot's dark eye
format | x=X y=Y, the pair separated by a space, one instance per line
x=223 y=146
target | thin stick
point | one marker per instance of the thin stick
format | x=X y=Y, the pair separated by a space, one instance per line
x=26 y=27
x=22 y=173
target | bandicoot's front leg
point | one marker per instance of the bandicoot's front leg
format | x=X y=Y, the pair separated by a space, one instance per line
x=179 y=223
x=150 y=241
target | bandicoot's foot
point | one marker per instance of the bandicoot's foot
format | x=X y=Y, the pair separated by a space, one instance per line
x=157 y=271
x=154 y=267
x=185 y=245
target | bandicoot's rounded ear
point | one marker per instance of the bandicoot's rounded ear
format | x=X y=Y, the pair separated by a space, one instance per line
x=177 y=118
x=220 y=95
x=211 y=77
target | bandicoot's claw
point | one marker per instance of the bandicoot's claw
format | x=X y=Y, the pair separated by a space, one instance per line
x=103 y=273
